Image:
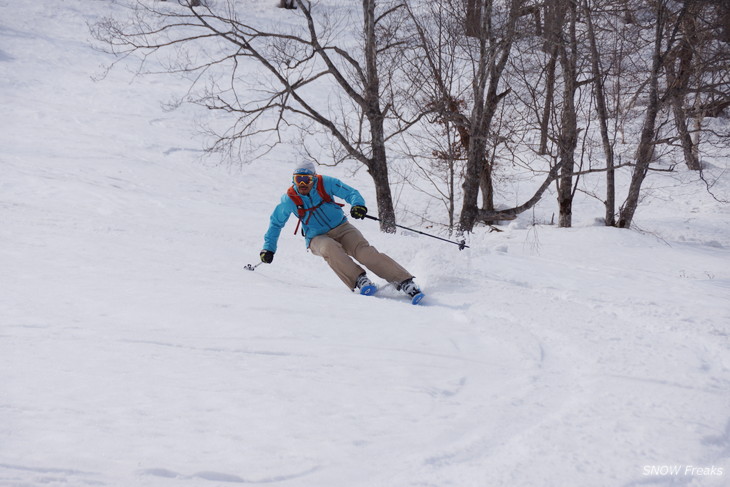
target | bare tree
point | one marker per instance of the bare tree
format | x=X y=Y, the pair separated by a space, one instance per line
x=464 y=98
x=697 y=76
x=678 y=66
x=436 y=80
x=554 y=19
x=452 y=64
x=665 y=35
x=300 y=59
x=599 y=93
x=485 y=39
x=563 y=34
x=489 y=60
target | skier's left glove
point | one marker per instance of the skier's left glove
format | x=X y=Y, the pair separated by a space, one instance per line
x=267 y=256
x=358 y=212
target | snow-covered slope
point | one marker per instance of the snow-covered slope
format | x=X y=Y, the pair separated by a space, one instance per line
x=135 y=350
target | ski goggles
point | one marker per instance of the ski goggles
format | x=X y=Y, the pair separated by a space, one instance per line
x=303 y=178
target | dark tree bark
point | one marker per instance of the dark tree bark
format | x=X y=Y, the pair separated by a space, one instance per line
x=547 y=109
x=564 y=38
x=602 y=110
x=679 y=67
x=378 y=162
x=491 y=61
x=645 y=151
x=474 y=12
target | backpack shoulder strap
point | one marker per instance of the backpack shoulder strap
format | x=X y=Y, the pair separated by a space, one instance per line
x=323 y=193
x=299 y=203
x=294 y=196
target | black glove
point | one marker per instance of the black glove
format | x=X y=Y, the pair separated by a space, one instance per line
x=267 y=256
x=358 y=212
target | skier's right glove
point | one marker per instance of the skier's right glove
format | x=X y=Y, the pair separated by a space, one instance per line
x=358 y=212
x=267 y=256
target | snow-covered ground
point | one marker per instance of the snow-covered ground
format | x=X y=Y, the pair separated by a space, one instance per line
x=135 y=350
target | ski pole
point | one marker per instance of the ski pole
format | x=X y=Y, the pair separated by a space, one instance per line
x=462 y=245
x=250 y=267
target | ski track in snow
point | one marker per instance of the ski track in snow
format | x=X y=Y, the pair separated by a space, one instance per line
x=136 y=350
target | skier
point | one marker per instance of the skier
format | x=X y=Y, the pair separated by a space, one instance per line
x=329 y=235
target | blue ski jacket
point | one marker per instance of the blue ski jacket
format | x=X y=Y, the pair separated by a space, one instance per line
x=315 y=222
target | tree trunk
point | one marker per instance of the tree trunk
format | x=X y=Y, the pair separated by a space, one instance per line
x=679 y=80
x=475 y=158
x=644 y=156
x=477 y=138
x=645 y=151
x=378 y=170
x=487 y=187
x=600 y=96
x=549 y=97
x=567 y=142
x=568 y=136
x=554 y=20
x=378 y=165
x=680 y=122
x=493 y=56
x=473 y=25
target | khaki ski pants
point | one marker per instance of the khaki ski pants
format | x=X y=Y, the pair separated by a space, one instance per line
x=342 y=243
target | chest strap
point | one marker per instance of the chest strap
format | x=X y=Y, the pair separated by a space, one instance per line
x=307 y=212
